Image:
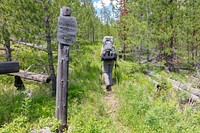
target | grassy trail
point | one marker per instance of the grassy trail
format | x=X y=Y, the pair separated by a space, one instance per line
x=112 y=108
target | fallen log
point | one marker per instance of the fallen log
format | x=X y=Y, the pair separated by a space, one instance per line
x=152 y=60
x=32 y=76
x=184 y=68
x=192 y=93
x=127 y=54
x=187 y=88
x=2 y=48
x=9 y=67
x=2 y=54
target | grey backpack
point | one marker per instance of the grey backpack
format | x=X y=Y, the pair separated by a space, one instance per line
x=109 y=52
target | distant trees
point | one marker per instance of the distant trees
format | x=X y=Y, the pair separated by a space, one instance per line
x=36 y=22
x=170 y=26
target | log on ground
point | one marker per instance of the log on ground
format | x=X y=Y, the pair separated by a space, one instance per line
x=192 y=93
x=32 y=76
x=2 y=48
x=2 y=54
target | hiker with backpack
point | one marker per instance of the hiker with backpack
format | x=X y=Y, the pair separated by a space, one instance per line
x=108 y=57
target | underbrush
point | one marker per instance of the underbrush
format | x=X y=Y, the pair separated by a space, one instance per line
x=86 y=104
x=22 y=113
x=146 y=108
x=143 y=107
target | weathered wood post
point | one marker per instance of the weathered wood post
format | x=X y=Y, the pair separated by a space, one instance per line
x=67 y=29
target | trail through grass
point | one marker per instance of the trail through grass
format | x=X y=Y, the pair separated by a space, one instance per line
x=134 y=105
x=112 y=109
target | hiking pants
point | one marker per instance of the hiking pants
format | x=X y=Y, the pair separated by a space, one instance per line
x=107 y=71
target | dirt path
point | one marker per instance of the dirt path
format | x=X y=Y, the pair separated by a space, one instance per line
x=112 y=108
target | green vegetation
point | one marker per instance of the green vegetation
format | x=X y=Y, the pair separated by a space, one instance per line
x=159 y=38
x=142 y=108
x=146 y=109
x=86 y=104
x=20 y=113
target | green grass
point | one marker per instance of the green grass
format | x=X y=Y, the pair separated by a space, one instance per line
x=86 y=104
x=142 y=108
x=86 y=108
x=20 y=113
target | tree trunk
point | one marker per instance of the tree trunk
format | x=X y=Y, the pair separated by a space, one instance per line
x=15 y=66
x=124 y=49
x=172 y=28
x=188 y=48
x=6 y=38
x=88 y=30
x=8 y=51
x=50 y=56
x=193 y=46
x=192 y=50
x=197 y=52
x=93 y=32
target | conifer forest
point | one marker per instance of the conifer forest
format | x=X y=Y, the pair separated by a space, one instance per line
x=52 y=75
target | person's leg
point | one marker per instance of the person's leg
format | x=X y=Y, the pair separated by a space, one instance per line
x=108 y=66
x=105 y=71
x=111 y=64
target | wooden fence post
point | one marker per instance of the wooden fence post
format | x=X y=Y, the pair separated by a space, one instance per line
x=67 y=29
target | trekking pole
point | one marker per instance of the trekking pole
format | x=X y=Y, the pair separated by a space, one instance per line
x=101 y=80
x=116 y=74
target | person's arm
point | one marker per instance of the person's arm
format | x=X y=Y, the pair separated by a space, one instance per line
x=114 y=50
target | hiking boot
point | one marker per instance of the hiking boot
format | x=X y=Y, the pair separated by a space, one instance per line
x=108 y=87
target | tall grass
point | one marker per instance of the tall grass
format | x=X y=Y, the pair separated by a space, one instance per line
x=146 y=109
x=86 y=106
x=142 y=107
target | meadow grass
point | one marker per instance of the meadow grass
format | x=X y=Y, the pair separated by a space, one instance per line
x=142 y=108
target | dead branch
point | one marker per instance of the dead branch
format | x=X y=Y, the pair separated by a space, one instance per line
x=36 y=46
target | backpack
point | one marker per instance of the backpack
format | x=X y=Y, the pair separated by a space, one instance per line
x=109 y=52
